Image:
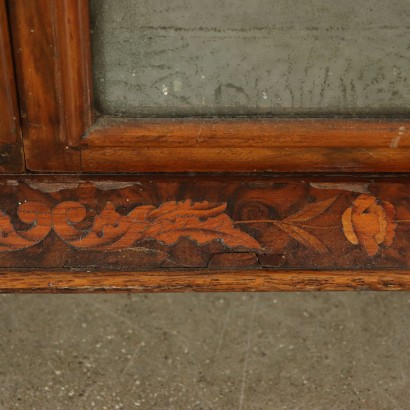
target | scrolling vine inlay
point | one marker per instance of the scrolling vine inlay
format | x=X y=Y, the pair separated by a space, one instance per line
x=203 y=223
x=368 y=222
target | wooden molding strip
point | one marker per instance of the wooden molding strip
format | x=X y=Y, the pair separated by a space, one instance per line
x=249 y=133
x=244 y=159
x=51 y=51
x=11 y=153
x=200 y=281
x=202 y=225
x=247 y=145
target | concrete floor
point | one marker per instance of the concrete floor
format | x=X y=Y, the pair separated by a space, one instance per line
x=205 y=351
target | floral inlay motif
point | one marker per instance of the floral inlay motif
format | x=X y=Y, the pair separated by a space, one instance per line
x=201 y=222
x=370 y=223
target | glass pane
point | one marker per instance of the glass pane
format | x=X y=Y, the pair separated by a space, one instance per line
x=251 y=57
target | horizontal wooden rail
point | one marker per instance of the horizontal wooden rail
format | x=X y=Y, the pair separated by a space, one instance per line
x=200 y=281
x=248 y=133
x=208 y=233
x=246 y=145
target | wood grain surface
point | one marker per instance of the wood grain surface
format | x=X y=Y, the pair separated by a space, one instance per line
x=249 y=132
x=51 y=52
x=244 y=159
x=247 y=145
x=86 y=281
x=213 y=226
x=11 y=154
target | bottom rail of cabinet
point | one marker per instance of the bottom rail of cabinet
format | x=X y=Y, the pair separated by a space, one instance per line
x=203 y=233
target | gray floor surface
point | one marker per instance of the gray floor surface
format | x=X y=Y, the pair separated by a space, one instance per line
x=205 y=351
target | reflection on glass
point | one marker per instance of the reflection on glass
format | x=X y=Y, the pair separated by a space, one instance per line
x=251 y=57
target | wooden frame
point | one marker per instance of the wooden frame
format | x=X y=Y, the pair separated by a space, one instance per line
x=52 y=53
x=53 y=74
x=11 y=154
x=232 y=231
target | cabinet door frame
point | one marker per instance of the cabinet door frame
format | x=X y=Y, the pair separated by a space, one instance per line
x=170 y=232
x=11 y=152
x=53 y=61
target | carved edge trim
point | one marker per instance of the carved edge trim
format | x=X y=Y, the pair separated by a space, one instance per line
x=199 y=280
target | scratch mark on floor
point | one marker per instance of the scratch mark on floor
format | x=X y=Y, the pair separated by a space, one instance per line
x=248 y=348
x=223 y=330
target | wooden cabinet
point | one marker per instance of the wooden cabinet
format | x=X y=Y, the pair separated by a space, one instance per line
x=207 y=203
